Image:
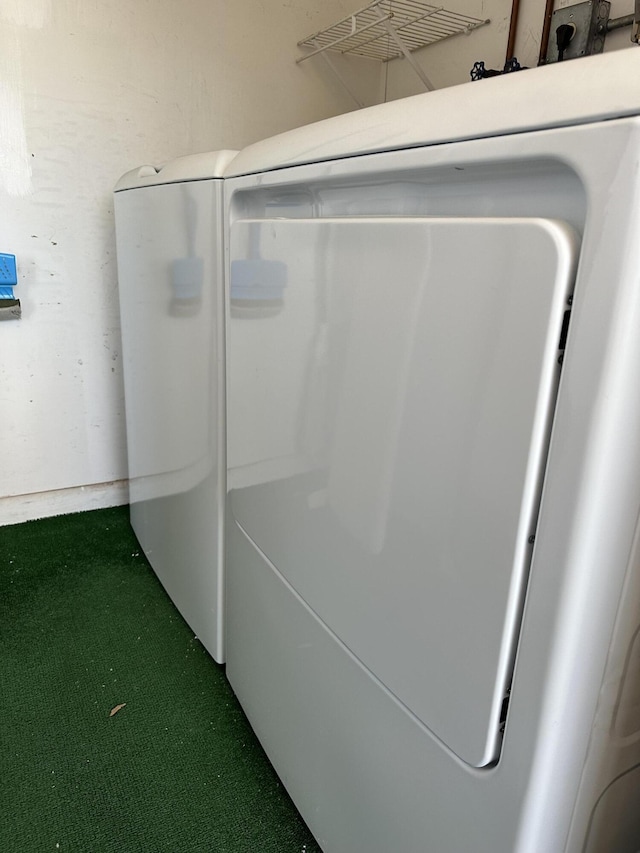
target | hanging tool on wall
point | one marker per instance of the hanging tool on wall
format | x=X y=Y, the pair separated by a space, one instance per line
x=9 y=306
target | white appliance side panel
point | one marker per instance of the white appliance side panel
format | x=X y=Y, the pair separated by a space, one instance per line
x=389 y=416
x=362 y=771
x=171 y=298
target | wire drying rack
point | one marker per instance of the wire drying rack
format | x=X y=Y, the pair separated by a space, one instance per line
x=365 y=32
x=388 y=29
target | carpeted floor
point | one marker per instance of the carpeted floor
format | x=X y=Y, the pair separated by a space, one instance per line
x=86 y=627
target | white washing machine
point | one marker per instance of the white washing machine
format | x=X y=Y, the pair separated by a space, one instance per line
x=170 y=267
x=433 y=378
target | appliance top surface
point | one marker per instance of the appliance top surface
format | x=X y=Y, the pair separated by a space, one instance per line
x=580 y=91
x=193 y=167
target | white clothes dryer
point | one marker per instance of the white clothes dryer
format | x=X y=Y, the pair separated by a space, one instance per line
x=170 y=268
x=433 y=377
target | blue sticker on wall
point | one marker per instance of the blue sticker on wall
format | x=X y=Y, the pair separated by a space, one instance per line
x=8 y=275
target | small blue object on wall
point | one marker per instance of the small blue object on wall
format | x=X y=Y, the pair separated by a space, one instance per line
x=8 y=272
x=9 y=305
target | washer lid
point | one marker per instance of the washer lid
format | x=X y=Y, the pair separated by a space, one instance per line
x=576 y=92
x=193 y=167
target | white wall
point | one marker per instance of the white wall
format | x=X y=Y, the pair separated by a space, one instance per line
x=89 y=89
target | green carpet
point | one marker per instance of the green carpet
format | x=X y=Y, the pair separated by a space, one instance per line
x=85 y=626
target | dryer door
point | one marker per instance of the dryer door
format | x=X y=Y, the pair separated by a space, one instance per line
x=389 y=415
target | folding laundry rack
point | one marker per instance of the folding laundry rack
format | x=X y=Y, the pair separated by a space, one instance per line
x=388 y=29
